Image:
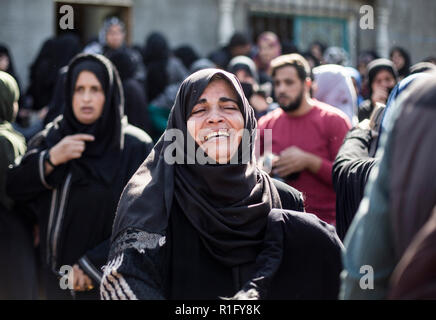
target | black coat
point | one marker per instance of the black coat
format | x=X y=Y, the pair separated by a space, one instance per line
x=17 y=259
x=180 y=267
x=18 y=273
x=79 y=228
x=309 y=269
x=135 y=105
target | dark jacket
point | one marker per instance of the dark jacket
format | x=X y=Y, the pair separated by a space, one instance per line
x=135 y=107
x=78 y=229
x=17 y=271
x=152 y=266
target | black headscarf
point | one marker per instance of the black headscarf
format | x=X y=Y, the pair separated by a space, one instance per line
x=123 y=62
x=55 y=54
x=227 y=204
x=11 y=70
x=155 y=56
x=187 y=55
x=404 y=71
x=101 y=156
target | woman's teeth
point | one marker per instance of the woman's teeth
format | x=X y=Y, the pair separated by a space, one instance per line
x=216 y=134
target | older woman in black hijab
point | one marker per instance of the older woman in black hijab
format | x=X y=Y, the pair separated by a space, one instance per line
x=208 y=223
x=74 y=172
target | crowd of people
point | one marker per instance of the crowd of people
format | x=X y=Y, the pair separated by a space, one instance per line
x=302 y=170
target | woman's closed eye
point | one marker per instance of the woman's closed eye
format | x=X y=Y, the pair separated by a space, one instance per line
x=230 y=107
x=198 y=110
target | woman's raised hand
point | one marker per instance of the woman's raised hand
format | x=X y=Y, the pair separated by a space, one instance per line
x=70 y=147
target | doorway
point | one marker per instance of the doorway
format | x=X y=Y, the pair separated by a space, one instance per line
x=90 y=15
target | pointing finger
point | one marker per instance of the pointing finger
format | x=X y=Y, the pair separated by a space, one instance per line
x=83 y=137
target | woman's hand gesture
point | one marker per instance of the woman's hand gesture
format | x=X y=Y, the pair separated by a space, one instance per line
x=70 y=147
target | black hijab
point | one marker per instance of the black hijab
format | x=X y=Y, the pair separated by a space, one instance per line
x=228 y=204
x=156 y=54
x=404 y=71
x=11 y=70
x=101 y=156
x=55 y=54
x=123 y=61
x=187 y=55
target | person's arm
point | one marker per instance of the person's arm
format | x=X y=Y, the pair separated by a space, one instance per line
x=294 y=159
x=94 y=259
x=69 y=148
x=6 y=158
x=350 y=173
x=369 y=244
x=136 y=267
x=291 y=198
x=27 y=180
x=365 y=110
x=42 y=169
x=353 y=160
x=87 y=270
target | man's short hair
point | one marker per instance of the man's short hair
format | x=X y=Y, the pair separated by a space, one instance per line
x=294 y=60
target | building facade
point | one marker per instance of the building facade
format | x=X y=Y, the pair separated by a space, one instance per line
x=206 y=24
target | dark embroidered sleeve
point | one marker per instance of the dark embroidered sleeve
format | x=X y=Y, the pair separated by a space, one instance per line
x=136 y=267
x=26 y=179
x=350 y=173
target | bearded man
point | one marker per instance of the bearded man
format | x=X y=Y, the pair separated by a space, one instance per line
x=306 y=136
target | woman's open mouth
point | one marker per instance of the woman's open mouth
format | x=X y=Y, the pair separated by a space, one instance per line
x=87 y=110
x=216 y=134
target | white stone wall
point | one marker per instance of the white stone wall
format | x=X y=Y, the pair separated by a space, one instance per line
x=193 y=22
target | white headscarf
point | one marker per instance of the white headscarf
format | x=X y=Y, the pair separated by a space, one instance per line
x=335 y=87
